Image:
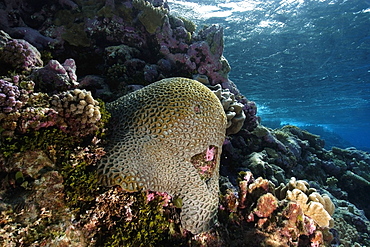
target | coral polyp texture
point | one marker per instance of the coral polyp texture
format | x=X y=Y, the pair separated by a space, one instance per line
x=79 y=112
x=22 y=109
x=167 y=137
x=10 y=97
x=20 y=54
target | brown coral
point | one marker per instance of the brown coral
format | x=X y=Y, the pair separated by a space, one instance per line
x=266 y=204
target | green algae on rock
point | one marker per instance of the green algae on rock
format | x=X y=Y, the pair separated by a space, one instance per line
x=128 y=219
x=151 y=17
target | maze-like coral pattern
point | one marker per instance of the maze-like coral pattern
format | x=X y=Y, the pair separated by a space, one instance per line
x=155 y=133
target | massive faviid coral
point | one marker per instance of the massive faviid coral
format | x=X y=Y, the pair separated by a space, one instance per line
x=167 y=137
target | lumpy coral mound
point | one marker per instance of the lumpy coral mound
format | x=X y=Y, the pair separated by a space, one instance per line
x=155 y=133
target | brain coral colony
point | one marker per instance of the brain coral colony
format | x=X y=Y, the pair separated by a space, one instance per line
x=156 y=133
x=119 y=127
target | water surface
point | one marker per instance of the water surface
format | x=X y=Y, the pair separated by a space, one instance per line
x=305 y=63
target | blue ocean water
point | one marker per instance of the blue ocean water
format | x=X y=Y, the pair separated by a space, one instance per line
x=304 y=62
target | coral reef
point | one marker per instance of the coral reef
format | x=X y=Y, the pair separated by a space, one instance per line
x=74 y=111
x=79 y=112
x=17 y=115
x=233 y=109
x=53 y=130
x=165 y=45
x=292 y=152
x=33 y=206
x=11 y=99
x=151 y=17
x=157 y=134
x=128 y=219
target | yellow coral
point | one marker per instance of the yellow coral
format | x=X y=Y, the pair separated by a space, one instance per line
x=317 y=207
x=312 y=209
x=155 y=133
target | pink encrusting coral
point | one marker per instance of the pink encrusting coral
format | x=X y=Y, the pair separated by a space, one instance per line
x=36 y=118
x=266 y=205
x=205 y=162
x=165 y=198
x=210 y=153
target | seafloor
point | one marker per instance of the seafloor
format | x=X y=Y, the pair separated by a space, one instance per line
x=62 y=61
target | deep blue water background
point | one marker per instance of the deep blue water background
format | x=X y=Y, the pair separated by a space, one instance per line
x=305 y=63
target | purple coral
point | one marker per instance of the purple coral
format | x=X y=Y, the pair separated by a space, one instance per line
x=151 y=73
x=21 y=55
x=207 y=62
x=70 y=67
x=11 y=98
x=203 y=55
x=68 y=4
x=56 y=77
x=214 y=35
x=251 y=119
